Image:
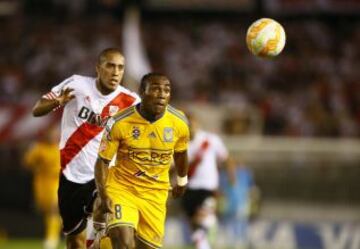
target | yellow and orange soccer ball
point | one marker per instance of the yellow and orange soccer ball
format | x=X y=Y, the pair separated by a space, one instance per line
x=265 y=38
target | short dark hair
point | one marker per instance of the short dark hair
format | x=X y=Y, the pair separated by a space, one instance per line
x=147 y=78
x=103 y=54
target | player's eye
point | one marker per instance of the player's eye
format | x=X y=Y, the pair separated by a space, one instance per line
x=154 y=88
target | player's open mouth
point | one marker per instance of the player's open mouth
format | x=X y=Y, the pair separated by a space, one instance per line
x=114 y=82
x=160 y=104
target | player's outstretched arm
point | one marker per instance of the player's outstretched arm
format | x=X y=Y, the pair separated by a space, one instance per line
x=45 y=105
x=101 y=174
x=182 y=167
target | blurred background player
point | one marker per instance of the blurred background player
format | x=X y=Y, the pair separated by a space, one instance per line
x=146 y=139
x=206 y=150
x=240 y=205
x=87 y=104
x=43 y=159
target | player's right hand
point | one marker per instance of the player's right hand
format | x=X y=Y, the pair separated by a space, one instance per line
x=65 y=96
x=178 y=191
x=106 y=205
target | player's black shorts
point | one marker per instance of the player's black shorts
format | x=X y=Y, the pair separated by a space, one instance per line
x=75 y=204
x=193 y=199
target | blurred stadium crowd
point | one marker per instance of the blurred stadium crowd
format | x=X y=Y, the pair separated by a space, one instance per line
x=313 y=90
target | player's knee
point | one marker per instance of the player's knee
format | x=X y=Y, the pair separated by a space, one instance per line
x=205 y=216
x=209 y=221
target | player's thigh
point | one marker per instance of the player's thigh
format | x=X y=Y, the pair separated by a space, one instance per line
x=75 y=204
x=124 y=210
x=195 y=202
x=151 y=224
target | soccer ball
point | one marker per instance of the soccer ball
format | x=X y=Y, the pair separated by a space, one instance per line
x=265 y=38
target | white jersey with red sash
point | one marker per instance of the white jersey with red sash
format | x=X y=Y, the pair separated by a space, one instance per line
x=204 y=151
x=83 y=121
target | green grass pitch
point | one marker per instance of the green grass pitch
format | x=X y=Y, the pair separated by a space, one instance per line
x=36 y=244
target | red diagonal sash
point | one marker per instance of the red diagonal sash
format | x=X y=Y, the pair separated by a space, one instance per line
x=198 y=157
x=85 y=132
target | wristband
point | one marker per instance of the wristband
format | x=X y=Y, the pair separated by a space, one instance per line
x=181 y=181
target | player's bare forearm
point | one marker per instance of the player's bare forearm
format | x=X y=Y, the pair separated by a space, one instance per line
x=181 y=166
x=181 y=163
x=101 y=173
x=44 y=106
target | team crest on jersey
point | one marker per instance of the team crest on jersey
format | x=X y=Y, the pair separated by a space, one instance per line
x=113 y=109
x=168 y=134
x=136 y=132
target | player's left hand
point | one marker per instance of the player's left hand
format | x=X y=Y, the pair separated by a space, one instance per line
x=178 y=191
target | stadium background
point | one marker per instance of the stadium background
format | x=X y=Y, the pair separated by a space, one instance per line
x=294 y=121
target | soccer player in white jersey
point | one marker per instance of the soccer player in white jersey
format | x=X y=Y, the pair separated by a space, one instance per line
x=87 y=104
x=206 y=151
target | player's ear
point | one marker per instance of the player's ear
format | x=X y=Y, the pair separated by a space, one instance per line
x=142 y=88
x=141 y=93
x=97 y=69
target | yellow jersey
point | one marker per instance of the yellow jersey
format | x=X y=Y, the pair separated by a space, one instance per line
x=144 y=150
x=44 y=159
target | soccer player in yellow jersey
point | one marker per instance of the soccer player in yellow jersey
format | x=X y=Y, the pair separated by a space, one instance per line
x=145 y=139
x=43 y=158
